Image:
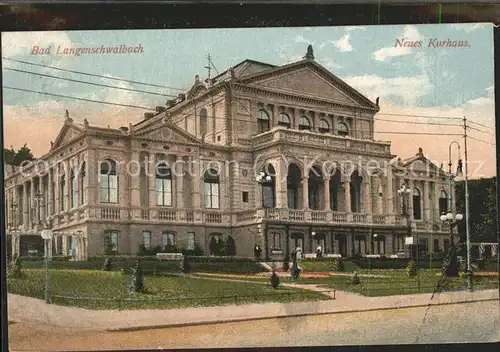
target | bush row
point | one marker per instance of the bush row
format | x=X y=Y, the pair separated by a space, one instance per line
x=389 y=263
x=151 y=265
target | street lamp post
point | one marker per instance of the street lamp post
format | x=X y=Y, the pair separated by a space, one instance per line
x=452 y=221
x=405 y=191
x=263 y=179
x=47 y=236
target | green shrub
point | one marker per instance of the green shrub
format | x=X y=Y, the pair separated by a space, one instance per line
x=137 y=283
x=275 y=280
x=411 y=269
x=338 y=265
x=355 y=279
x=16 y=268
x=185 y=267
x=107 y=265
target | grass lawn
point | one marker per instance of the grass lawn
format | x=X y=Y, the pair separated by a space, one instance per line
x=396 y=282
x=326 y=265
x=174 y=291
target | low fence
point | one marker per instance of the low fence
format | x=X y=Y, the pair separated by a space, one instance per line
x=124 y=303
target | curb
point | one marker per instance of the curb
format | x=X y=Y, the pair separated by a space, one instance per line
x=237 y=320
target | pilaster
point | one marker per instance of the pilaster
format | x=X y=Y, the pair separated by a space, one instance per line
x=305 y=192
x=179 y=181
x=326 y=189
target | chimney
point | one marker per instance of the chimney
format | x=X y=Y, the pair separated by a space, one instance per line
x=196 y=79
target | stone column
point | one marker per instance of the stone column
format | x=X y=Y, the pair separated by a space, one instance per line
x=43 y=206
x=281 y=186
x=92 y=174
x=326 y=189
x=150 y=172
x=367 y=197
x=64 y=245
x=25 y=209
x=67 y=172
x=389 y=192
x=135 y=179
x=179 y=181
x=57 y=190
x=305 y=192
x=32 y=204
x=410 y=198
x=426 y=214
x=197 y=179
x=347 y=195
x=78 y=177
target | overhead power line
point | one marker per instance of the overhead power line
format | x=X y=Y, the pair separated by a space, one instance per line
x=424 y=116
x=82 y=99
x=90 y=83
x=95 y=75
x=418 y=123
x=480 y=124
x=480 y=140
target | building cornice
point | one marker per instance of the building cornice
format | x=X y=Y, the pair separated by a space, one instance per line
x=297 y=97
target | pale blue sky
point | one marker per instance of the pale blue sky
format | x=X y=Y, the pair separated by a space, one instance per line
x=421 y=81
x=173 y=57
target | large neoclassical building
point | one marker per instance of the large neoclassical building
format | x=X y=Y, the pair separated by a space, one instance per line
x=190 y=171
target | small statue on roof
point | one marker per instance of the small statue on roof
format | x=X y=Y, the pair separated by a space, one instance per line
x=66 y=114
x=310 y=53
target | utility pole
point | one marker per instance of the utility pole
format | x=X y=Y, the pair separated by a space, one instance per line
x=467 y=224
x=209 y=66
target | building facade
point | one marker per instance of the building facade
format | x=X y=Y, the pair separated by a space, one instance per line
x=189 y=172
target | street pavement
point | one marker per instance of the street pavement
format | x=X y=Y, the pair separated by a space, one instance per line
x=465 y=322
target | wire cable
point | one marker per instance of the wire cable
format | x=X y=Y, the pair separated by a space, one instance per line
x=90 y=83
x=82 y=99
x=95 y=75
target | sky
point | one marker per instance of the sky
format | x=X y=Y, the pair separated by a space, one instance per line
x=420 y=88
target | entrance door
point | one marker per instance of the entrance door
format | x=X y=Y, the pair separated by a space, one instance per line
x=342 y=240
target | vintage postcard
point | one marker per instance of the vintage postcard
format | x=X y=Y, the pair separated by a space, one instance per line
x=302 y=186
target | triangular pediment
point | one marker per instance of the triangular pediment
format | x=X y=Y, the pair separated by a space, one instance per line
x=67 y=133
x=166 y=131
x=421 y=165
x=310 y=79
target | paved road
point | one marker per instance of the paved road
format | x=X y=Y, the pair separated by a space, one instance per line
x=472 y=322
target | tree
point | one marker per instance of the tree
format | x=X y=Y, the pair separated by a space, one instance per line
x=185 y=267
x=275 y=280
x=355 y=279
x=230 y=246
x=411 y=269
x=338 y=265
x=482 y=198
x=107 y=264
x=16 y=158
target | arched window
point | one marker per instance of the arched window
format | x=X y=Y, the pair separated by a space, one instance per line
x=168 y=241
x=269 y=188
x=211 y=190
x=109 y=181
x=163 y=185
x=443 y=202
x=62 y=197
x=72 y=190
x=284 y=120
x=324 y=127
x=203 y=121
x=417 y=207
x=263 y=121
x=342 y=129
x=304 y=123
x=83 y=184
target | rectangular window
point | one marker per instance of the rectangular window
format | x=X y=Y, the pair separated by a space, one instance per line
x=244 y=197
x=436 y=246
x=111 y=241
x=443 y=205
x=190 y=241
x=146 y=239
x=276 y=241
x=109 y=188
x=168 y=239
x=164 y=192
x=211 y=195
